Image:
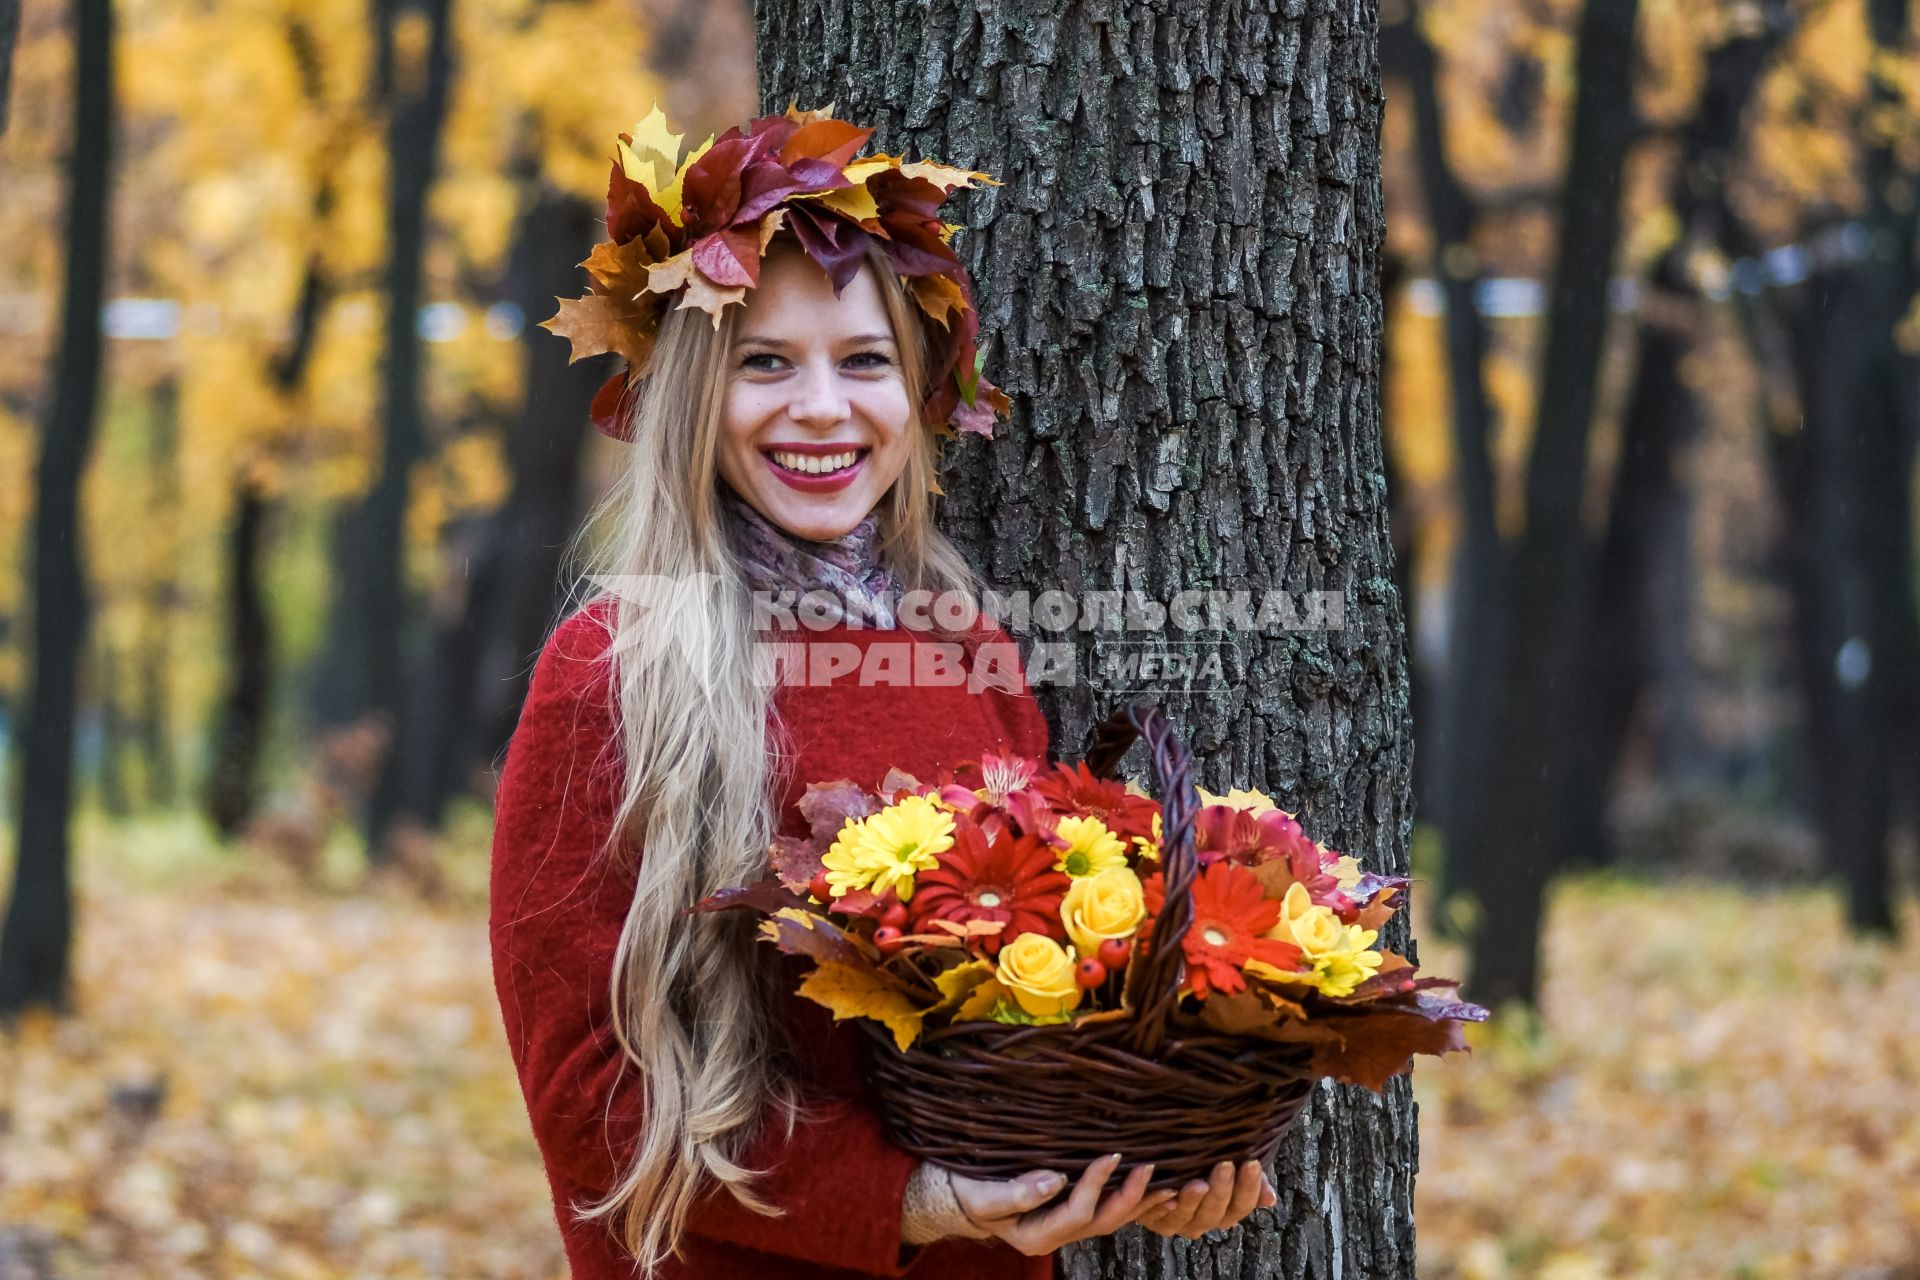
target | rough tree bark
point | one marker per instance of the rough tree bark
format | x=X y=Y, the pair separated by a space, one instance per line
x=36 y=939
x=1179 y=287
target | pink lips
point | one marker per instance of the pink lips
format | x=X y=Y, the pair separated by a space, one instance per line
x=827 y=483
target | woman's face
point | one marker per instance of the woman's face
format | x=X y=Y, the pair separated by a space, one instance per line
x=815 y=421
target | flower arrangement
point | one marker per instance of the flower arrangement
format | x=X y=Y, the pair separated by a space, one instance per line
x=1015 y=894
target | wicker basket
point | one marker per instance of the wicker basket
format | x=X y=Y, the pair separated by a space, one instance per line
x=994 y=1101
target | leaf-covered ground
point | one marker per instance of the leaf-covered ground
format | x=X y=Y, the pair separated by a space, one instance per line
x=1726 y=1085
x=274 y=1081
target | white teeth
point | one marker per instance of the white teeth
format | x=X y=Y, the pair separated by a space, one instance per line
x=812 y=465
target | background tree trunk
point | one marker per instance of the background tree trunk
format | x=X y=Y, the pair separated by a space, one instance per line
x=162 y=595
x=415 y=82
x=36 y=939
x=1179 y=288
x=1641 y=595
x=1469 y=689
x=9 y=33
x=544 y=450
x=1548 y=570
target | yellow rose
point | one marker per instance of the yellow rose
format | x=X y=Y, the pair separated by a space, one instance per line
x=1313 y=929
x=1109 y=904
x=1039 y=972
x=1338 y=952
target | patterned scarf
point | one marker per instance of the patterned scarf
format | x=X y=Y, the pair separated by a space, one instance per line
x=848 y=567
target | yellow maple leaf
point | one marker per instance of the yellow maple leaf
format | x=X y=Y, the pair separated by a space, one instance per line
x=649 y=160
x=980 y=1002
x=851 y=992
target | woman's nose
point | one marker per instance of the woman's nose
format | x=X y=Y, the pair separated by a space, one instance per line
x=818 y=396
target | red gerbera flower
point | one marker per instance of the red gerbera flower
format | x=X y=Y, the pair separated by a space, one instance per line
x=1230 y=912
x=1073 y=788
x=1010 y=879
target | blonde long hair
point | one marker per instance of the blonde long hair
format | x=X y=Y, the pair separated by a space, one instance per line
x=693 y=998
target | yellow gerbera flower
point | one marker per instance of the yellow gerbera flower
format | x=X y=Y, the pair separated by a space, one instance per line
x=1149 y=846
x=887 y=849
x=1091 y=848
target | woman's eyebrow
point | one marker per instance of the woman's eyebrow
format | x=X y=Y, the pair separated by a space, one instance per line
x=858 y=339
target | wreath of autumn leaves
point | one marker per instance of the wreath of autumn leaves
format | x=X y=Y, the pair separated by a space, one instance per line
x=691 y=231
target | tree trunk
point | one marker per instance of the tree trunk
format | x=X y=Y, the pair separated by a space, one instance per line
x=156 y=649
x=115 y=735
x=1179 y=287
x=1844 y=479
x=233 y=780
x=1548 y=607
x=545 y=453
x=1641 y=589
x=1470 y=692
x=418 y=82
x=9 y=34
x=36 y=939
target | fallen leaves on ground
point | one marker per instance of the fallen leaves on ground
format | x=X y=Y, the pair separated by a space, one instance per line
x=1722 y=1084
x=268 y=1082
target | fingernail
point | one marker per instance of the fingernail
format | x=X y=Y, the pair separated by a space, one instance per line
x=1052 y=1182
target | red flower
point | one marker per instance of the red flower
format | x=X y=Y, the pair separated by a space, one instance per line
x=1072 y=788
x=1230 y=912
x=1010 y=879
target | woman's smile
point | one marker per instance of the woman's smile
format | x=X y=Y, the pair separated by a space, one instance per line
x=816 y=468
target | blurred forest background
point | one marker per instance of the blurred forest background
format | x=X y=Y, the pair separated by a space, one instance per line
x=1653 y=405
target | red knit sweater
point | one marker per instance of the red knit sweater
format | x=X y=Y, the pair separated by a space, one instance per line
x=557 y=912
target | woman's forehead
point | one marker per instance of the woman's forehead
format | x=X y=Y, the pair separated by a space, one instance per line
x=794 y=302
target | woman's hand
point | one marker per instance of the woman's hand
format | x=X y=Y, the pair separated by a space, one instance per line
x=1221 y=1201
x=1009 y=1209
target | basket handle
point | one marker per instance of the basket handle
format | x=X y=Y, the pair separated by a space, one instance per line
x=1171 y=765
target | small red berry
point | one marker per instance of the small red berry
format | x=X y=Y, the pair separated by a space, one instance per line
x=1090 y=973
x=895 y=914
x=888 y=939
x=819 y=887
x=1115 y=952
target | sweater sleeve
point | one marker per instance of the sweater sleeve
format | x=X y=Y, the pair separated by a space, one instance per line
x=557 y=908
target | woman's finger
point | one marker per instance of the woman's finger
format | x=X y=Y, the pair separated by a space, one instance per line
x=1172 y=1220
x=1213 y=1206
x=1120 y=1206
x=1077 y=1211
x=1246 y=1194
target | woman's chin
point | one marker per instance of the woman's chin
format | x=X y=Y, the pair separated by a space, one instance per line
x=822 y=517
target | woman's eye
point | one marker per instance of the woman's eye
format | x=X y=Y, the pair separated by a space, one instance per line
x=859 y=359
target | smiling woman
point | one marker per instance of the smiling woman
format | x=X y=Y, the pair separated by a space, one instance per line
x=798 y=333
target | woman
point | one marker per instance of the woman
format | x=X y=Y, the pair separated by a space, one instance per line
x=796 y=329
